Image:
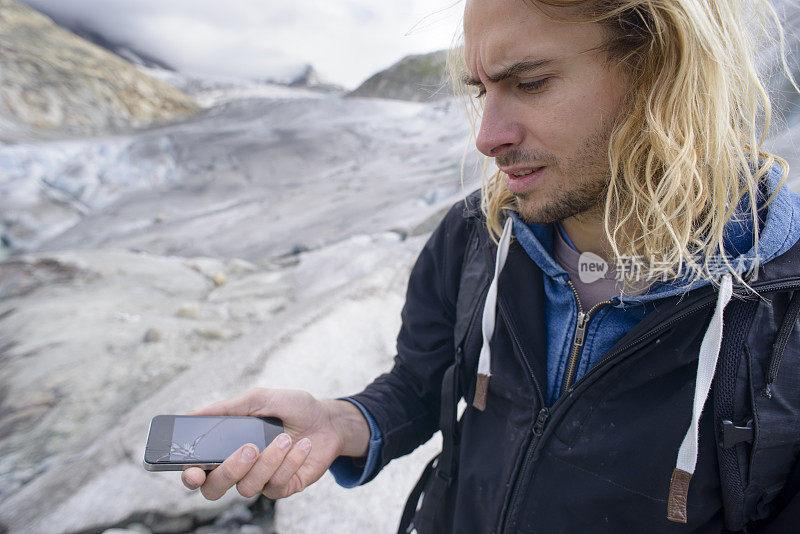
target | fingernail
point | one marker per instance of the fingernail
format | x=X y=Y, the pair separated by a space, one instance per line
x=284 y=441
x=191 y=483
x=249 y=453
x=305 y=444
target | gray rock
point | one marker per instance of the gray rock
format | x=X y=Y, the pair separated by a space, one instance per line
x=153 y=335
x=212 y=334
x=188 y=310
x=235 y=515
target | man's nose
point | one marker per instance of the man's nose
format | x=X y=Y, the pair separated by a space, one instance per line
x=500 y=130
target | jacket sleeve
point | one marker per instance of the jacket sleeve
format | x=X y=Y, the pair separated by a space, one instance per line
x=350 y=472
x=405 y=401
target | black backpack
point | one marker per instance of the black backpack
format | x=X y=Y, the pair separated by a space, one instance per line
x=755 y=438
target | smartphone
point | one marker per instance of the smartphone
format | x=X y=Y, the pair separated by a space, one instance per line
x=176 y=442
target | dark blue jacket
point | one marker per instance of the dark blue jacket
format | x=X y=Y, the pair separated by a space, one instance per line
x=601 y=458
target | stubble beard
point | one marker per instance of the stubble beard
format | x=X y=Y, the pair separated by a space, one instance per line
x=585 y=201
x=565 y=197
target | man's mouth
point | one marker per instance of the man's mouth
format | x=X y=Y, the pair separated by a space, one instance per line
x=520 y=179
x=521 y=172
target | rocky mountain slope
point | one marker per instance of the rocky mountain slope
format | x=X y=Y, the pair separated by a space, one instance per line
x=419 y=78
x=55 y=84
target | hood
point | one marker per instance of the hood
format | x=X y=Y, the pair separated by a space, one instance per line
x=779 y=230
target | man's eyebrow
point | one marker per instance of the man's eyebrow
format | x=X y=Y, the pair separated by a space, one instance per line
x=513 y=70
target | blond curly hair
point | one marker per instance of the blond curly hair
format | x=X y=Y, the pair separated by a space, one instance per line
x=690 y=146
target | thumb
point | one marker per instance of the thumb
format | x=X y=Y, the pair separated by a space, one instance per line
x=193 y=478
x=250 y=403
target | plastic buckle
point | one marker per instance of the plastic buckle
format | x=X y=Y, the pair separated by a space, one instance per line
x=733 y=435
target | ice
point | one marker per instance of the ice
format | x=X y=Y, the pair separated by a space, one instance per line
x=311 y=207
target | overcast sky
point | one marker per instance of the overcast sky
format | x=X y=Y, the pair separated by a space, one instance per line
x=345 y=40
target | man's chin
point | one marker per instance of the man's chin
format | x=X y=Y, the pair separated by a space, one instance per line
x=533 y=210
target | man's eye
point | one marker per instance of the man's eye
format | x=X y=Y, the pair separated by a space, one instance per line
x=538 y=84
x=528 y=86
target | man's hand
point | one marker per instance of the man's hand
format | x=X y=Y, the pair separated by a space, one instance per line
x=317 y=432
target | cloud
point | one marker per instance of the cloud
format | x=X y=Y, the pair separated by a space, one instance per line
x=346 y=41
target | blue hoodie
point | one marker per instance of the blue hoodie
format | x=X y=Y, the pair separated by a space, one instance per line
x=779 y=230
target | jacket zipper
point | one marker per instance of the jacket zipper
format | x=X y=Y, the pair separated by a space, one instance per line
x=541 y=418
x=580 y=334
x=536 y=434
x=545 y=415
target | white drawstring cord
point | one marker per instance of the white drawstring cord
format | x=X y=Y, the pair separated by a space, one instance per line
x=489 y=316
x=706 y=367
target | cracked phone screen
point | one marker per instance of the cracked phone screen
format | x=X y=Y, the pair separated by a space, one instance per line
x=212 y=439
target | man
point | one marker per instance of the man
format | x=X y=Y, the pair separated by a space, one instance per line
x=623 y=132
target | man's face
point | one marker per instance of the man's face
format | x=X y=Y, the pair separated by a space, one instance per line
x=553 y=112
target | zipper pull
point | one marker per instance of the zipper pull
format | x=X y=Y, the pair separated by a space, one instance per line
x=581 y=329
x=541 y=419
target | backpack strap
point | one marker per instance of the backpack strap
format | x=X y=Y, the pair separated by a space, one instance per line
x=474 y=276
x=446 y=465
x=412 y=504
x=732 y=419
x=441 y=470
x=755 y=446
